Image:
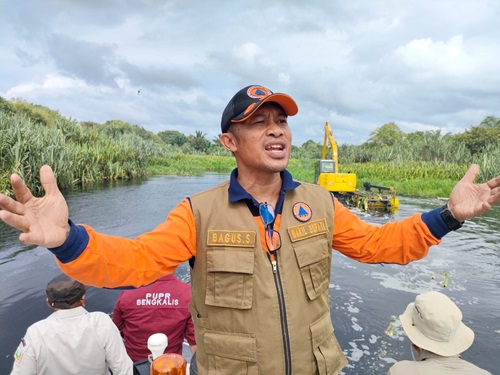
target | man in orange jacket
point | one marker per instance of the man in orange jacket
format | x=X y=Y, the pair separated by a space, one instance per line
x=262 y=243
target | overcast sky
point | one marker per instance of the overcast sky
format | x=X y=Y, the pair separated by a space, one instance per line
x=425 y=65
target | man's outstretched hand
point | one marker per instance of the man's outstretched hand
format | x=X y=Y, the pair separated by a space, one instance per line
x=468 y=200
x=42 y=221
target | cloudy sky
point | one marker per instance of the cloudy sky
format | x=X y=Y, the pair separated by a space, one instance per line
x=425 y=65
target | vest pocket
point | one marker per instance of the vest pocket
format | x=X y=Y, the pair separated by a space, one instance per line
x=314 y=259
x=230 y=277
x=329 y=356
x=230 y=354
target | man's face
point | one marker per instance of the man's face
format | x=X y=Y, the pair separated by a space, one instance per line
x=263 y=142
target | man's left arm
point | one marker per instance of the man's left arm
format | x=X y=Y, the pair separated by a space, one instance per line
x=410 y=239
x=397 y=242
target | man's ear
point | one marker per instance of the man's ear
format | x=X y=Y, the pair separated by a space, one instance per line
x=49 y=305
x=228 y=140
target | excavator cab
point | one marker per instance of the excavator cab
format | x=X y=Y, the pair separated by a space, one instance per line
x=324 y=166
x=327 y=174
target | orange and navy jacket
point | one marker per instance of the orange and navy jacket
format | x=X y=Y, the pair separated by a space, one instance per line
x=109 y=261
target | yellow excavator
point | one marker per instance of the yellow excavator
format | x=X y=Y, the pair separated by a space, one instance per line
x=343 y=185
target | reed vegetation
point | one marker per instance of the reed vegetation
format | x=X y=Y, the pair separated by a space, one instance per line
x=421 y=164
x=77 y=155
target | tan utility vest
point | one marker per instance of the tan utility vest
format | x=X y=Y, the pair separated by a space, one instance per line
x=249 y=319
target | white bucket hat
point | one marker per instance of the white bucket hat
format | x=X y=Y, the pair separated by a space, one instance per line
x=434 y=323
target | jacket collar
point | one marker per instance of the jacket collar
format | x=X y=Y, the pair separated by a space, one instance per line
x=237 y=193
x=427 y=355
x=68 y=313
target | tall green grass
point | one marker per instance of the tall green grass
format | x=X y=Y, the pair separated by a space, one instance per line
x=422 y=165
x=77 y=156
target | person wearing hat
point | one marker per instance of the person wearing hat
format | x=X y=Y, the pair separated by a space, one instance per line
x=433 y=323
x=260 y=246
x=71 y=340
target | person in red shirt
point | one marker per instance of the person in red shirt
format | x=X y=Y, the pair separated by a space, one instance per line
x=160 y=307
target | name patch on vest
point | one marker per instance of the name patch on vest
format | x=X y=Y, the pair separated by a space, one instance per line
x=231 y=238
x=307 y=230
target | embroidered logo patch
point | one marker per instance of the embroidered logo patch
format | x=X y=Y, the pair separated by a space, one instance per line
x=18 y=355
x=231 y=238
x=307 y=230
x=258 y=92
x=302 y=211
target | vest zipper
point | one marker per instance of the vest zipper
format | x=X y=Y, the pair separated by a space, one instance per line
x=275 y=268
x=283 y=320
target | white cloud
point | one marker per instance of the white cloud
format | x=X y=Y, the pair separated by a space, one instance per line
x=429 y=58
x=51 y=83
x=359 y=65
x=248 y=53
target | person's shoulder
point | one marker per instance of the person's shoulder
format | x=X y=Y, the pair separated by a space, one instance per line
x=182 y=290
x=181 y=283
x=39 y=328
x=403 y=368
x=315 y=190
x=99 y=314
x=130 y=294
x=39 y=323
x=476 y=369
x=310 y=185
x=460 y=363
x=223 y=185
x=100 y=317
x=36 y=327
x=101 y=322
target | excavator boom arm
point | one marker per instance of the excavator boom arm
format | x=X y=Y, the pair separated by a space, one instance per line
x=328 y=138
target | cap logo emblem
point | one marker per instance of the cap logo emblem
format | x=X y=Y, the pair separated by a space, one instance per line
x=258 y=92
x=302 y=211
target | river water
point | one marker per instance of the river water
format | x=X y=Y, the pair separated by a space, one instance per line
x=364 y=298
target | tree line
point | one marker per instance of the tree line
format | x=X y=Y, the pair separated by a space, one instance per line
x=83 y=153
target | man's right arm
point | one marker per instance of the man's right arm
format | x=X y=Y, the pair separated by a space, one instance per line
x=109 y=261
